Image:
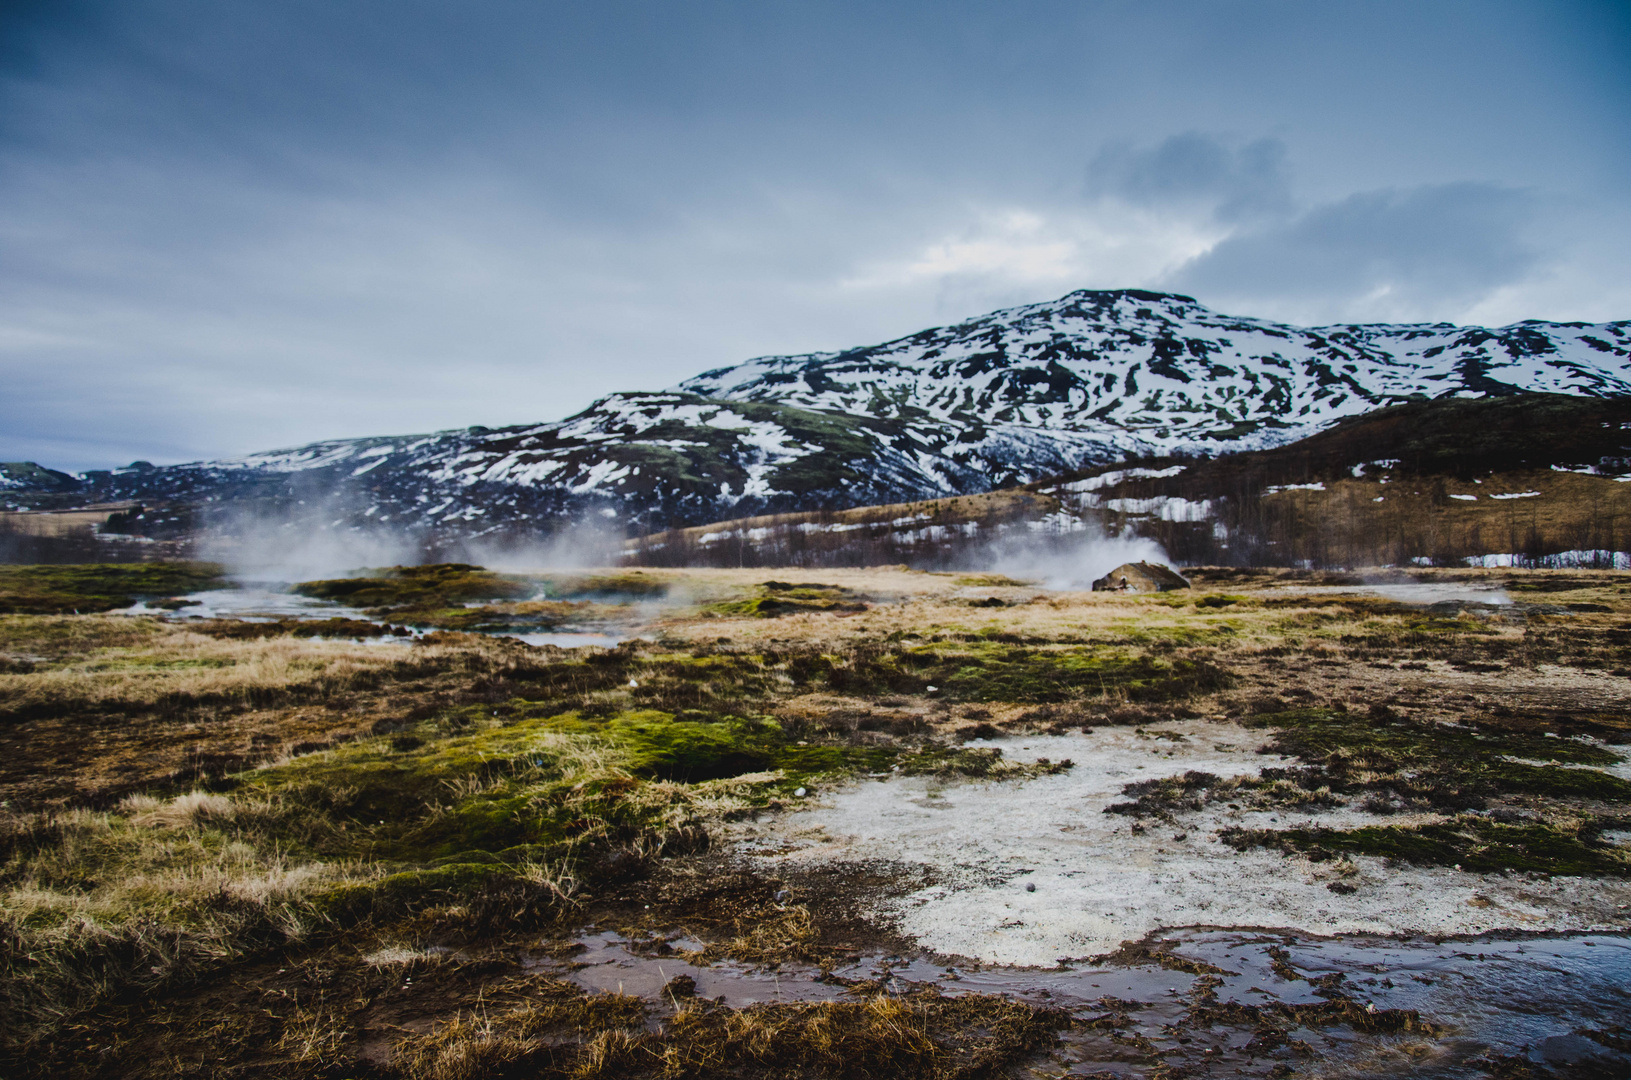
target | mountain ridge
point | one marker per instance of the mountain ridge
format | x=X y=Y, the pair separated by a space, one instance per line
x=1095 y=350
x=1010 y=397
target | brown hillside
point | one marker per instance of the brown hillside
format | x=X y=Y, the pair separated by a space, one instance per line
x=1440 y=481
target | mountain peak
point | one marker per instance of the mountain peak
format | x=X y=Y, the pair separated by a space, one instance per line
x=1093 y=377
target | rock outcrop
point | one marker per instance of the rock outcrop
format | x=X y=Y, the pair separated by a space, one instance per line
x=1140 y=577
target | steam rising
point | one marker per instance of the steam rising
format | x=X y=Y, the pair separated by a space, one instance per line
x=324 y=539
x=582 y=545
x=259 y=544
x=1068 y=560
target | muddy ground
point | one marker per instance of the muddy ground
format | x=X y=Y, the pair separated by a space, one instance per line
x=843 y=823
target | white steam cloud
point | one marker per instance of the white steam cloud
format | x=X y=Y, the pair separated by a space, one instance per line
x=1068 y=560
x=324 y=539
x=581 y=546
x=316 y=542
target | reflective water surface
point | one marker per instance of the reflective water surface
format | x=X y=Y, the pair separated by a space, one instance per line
x=265 y=601
x=1250 y=1004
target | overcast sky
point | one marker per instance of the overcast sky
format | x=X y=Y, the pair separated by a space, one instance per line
x=232 y=225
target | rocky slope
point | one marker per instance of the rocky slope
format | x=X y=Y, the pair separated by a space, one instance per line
x=1540 y=480
x=1123 y=373
x=1013 y=397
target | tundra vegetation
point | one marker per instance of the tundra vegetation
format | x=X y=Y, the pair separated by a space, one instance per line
x=245 y=848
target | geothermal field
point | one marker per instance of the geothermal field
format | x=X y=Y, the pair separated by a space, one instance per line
x=443 y=822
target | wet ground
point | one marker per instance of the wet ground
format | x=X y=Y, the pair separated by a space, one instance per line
x=1030 y=871
x=1172 y=951
x=251 y=601
x=1249 y=1004
x=1034 y=873
x=267 y=601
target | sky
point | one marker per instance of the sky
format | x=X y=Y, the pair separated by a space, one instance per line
x=235 y=225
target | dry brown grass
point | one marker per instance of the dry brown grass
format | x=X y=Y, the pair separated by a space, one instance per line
x=95 y=903
x=177 y=663
x=598 y=1037
x=163 y=882
x=600 y=1031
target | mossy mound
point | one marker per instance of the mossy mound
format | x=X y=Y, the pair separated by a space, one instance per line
x=543 y=781
x=447 y=596
x=437 y=585
x=337 y=628
x=989 y=671
x=634 y=584
x=93 y=587
x=775 y=598
x=1475 y=845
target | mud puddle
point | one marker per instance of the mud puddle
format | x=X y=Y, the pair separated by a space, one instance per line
x=1249 y=1003
x=656 y=969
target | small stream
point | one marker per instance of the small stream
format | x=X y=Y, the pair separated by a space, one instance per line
x=269 y=601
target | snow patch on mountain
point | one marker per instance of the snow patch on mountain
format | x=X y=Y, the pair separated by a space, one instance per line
x=1018 y=395
x=1132 y=372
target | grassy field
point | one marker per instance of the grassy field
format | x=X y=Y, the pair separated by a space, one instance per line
x=252 y=852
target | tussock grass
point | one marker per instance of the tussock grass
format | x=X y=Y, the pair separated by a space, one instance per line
x=158 y=891
x=922 y=1036
x=94 y=904
x=99 y=586
x=188 y=667
x=442 y=798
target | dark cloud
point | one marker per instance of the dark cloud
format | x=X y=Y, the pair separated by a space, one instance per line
x=230 y=226
x=1409 y=252
x=1232 y=181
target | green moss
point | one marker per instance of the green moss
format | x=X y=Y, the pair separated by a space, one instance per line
x=45 y=590
x=1448 y=768
x=1556 y=782
x=991 y=581
x=1436 y=764
x=433 y=587
x=980 y=763
x=303 y=628
x=487 y=790
x=999 y=671
x=1273 y=788
x=780 y=598
x=634 y=583
x=1316 y=734
x=660 y=747
x=1475 y=845
x=424 y=797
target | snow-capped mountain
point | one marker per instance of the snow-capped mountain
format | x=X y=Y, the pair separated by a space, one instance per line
x=1011 y=397
x=649 y=459
x=1133 y=372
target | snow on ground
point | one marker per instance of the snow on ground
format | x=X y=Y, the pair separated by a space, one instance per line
x=1098 y=884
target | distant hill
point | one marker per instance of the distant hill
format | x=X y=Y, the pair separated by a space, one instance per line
x=27 y=478
x=1010 y=398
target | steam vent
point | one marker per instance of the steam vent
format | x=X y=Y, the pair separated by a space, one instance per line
x=1141 y=577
